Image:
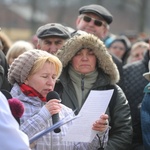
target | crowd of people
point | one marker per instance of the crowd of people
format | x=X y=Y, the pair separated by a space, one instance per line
x=73 y=62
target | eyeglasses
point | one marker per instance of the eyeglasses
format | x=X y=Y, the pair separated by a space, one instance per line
x=98 y=23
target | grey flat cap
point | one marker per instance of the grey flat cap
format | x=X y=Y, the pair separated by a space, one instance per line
x=98 y=10
x=53 y=29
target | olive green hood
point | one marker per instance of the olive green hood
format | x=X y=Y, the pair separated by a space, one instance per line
x=86 y=40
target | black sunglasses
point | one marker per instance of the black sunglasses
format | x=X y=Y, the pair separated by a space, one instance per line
x=96 y=22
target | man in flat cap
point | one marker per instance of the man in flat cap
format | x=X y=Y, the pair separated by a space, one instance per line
x=52 y=36
x=95 y=19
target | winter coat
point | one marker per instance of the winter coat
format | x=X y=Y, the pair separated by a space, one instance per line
x=119 y=64
x=11 y=136
x=119 y=113
x=145 y=117
x=134 y=83
x=36 y=118
x=4 y=84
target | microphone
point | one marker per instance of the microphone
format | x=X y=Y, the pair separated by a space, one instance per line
x=55 y=117
x=17 y=108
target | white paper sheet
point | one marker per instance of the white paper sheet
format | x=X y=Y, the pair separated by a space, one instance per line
x=94 y=106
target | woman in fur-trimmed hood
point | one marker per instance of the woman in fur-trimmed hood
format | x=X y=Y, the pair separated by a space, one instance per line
x=87 y=66
x=104 y=59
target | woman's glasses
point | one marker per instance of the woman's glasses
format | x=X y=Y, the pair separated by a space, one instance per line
x=98 y=23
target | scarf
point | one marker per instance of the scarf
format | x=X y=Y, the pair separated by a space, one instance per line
x=82 y=83
x=29 y=91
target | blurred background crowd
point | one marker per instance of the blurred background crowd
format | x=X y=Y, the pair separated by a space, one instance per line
x=127 y=39
x=20 y=19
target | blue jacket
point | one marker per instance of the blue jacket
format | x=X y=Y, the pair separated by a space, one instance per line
x=145 y=118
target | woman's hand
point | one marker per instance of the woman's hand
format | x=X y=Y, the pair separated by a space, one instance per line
x=101 y=124
x=53 y=106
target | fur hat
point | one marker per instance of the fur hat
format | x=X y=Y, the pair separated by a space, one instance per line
x=89 y=41
x=22 y=65
x=98 y=10
x=53 y=29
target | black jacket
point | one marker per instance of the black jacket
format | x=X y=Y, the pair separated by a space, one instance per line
x=4 y=84
x=119 y=114
x=134 y=83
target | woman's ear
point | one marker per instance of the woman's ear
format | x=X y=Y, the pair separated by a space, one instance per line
x=26 y=82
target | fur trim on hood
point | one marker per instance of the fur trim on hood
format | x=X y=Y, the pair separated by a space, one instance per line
x=78 y=42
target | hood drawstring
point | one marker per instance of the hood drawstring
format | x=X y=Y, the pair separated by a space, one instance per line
x=82 y=82
x=82 y=87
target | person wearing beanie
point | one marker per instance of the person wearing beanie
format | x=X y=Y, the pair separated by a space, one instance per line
x=96 y=19
x=33 y=75
x=52 y=36
x=87 y=65
x=120 y=47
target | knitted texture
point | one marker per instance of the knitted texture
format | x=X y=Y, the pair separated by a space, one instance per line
x=22 y=65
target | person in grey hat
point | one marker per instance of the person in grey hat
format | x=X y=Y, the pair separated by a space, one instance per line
x=51 y=37
x=95 y=19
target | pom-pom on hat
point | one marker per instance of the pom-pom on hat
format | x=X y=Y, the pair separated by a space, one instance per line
x=98 y=10
x=22 y=65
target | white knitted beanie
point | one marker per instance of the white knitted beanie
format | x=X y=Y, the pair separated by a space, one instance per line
x=22 y=65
